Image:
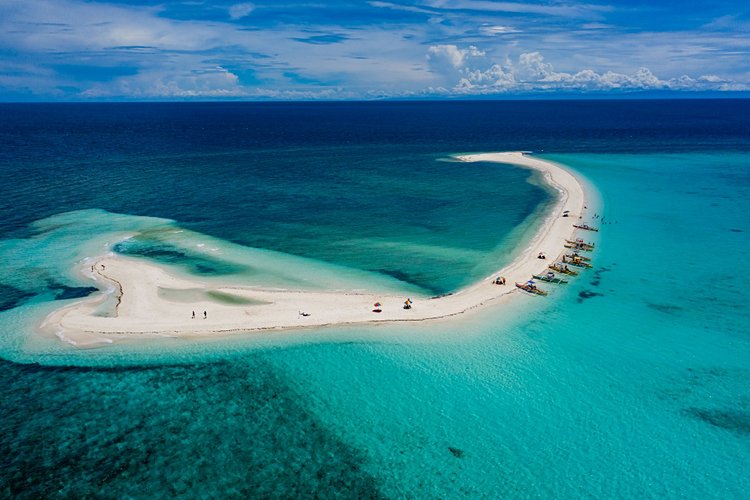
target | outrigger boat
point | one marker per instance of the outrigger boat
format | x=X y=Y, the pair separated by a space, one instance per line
x=530 y=287
x=574 y=256
x=578 y=248
x=577 y=263
x=563 y=269
x=579 y=244
x=586 y=227
x=550 y=278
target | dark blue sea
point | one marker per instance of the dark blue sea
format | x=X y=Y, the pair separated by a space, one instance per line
x=631 y=382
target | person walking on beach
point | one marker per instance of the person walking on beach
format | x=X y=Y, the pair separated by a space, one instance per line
x=205 y=315
x=193 y=314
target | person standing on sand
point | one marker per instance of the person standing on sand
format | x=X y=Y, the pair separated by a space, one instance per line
x=193 y=314
x=205 y=315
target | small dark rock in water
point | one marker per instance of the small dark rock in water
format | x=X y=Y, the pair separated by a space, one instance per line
x=735 y=230
x=458 y=453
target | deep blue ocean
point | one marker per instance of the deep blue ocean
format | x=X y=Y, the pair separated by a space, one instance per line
x=631 y=382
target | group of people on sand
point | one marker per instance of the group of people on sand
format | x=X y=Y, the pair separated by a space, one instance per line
x=378 y=305
x=500 y=280
x=205 y=315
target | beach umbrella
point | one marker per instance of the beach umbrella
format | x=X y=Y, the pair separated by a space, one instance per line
x=377 y=304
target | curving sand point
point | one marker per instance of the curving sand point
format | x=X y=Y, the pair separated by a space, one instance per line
x=144 y=306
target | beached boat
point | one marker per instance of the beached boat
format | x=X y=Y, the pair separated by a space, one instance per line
x=580 y=241
x=579 y=248
x=574 y=256
x=550 y=279
x=560 y=268
x=585 y=226
x=579 y=244
x=579 y=263
x=531 y=288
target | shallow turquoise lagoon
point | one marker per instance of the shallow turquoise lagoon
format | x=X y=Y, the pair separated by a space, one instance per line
x=631 y=382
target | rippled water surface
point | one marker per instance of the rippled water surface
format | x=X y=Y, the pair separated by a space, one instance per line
x=631 y=381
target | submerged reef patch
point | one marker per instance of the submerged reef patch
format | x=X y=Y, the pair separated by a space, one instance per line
x=219 y=429
x=168 y=254
x=11 y=297
x=737 y=421
x=665 y=308
x=587 y=294
x=65 y=292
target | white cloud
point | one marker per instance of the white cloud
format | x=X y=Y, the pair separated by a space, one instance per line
x=240 y=10
x=65 y=25
x=497 y=30
x=393 y=6
x=560 y=10
x=183 y=58
x=202 y=82
x=51 y=32
x=734 y=87
x=451 y=54
x=531 y=73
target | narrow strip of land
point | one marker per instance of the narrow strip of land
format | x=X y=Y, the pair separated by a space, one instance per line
x=147 y=304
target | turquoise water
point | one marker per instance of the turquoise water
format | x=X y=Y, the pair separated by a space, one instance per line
x=559 y=402
x=639 y=390
x=630 y=382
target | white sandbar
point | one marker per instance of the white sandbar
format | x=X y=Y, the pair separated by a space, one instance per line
x=142 y=311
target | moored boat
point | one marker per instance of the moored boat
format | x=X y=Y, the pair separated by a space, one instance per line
x=574 y=256
x=580 y=241
x=579 y=244
x=530 y=287
x=578 y=248
x=586 y=227
x=550 y=278
x=560 y=268
x=578 y=263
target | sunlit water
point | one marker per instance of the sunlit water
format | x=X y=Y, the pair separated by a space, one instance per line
x=629 y=382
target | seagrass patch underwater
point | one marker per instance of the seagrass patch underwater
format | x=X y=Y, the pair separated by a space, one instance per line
x=628 y=382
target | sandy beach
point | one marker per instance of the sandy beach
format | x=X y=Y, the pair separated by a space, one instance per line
x=147 y=301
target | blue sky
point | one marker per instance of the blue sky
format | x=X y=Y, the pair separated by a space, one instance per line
x=289 y=49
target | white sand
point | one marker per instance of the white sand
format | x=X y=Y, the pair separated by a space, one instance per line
x=142 y=312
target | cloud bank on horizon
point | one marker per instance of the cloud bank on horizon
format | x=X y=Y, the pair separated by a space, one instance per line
x=136 y=49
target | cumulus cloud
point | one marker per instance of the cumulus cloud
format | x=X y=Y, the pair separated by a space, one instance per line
x=452 y=55
x=530 y=73
x=201 y=82
x=52 y=47
x=240 y=10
